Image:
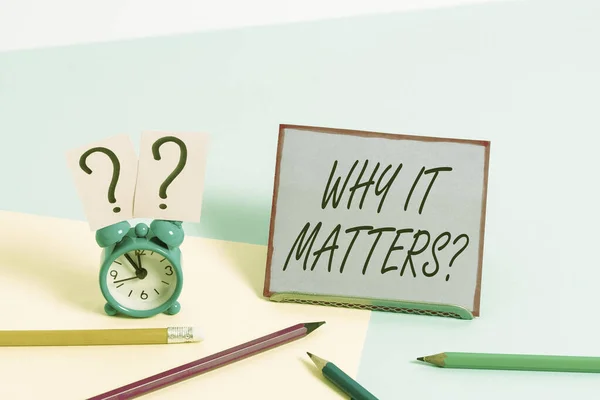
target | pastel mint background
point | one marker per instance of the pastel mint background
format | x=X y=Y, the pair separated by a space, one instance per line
x=523 y=74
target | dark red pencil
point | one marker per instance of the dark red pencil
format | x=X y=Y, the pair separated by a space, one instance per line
x=209 y=363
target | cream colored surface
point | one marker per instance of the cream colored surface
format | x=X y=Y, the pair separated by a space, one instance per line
x=49 y=270
x=93 y=188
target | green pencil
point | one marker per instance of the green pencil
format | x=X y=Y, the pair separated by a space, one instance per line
x=522 y=362
x=341 y=379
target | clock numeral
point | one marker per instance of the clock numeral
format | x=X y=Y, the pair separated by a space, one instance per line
x=129 y=295
x=169 y=269
x=140 y=252
x=114 y=274
x=144 y=295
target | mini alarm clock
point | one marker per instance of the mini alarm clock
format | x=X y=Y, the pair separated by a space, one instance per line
x=140 y=271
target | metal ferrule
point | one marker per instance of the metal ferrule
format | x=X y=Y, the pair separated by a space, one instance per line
x=180 y=334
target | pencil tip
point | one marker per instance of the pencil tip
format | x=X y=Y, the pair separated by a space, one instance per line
x=421 y=358
x=311 y=326
x=319 y=362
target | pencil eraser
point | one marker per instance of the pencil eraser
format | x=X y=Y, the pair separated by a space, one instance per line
x=197 y=334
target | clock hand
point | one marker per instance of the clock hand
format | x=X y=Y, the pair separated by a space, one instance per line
x=139 y=272
x=128 y=257
x=128 y=279
x=139 y=260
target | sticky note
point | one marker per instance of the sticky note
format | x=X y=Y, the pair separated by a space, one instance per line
x=170 y=182
x=105 y=174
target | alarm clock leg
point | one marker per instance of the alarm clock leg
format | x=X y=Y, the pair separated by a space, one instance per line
x=174 y=309
x=109 y=310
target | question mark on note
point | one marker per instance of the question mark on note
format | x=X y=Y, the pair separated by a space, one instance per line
x=115 y=174
x=459 y=251
x=180 y=165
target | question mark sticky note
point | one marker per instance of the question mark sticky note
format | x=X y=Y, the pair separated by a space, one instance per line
x=170 y=182
x=105 y=174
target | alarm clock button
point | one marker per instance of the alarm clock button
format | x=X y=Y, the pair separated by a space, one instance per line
x=112 y=234
x=170 y=232
x=141 y=230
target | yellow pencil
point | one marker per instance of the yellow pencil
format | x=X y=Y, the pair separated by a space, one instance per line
x=95 y=337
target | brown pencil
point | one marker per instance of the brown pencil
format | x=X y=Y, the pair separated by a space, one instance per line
x=209 y=363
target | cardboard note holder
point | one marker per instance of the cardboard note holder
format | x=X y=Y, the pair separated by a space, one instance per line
x=310 y=158
x=407 y=307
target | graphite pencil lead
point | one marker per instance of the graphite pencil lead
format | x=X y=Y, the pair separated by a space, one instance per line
x=319 y=362
x=436 y=359
x=311 y=326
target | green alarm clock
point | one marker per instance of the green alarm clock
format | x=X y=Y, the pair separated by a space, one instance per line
x=140 y=271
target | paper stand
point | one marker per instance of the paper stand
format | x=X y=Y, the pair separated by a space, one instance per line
x=406 y=307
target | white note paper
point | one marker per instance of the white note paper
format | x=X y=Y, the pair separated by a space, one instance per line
x=105 y=173
x=170 y=182
x=375 y=216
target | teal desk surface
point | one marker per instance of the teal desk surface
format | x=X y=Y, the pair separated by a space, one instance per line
x=521 y=74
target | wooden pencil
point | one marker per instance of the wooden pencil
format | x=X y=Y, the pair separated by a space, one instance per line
x=95 y=337
x=209 y=363
x=342 y=380
x=523 y=362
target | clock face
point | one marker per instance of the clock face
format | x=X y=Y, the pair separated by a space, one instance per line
x=141 y=280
